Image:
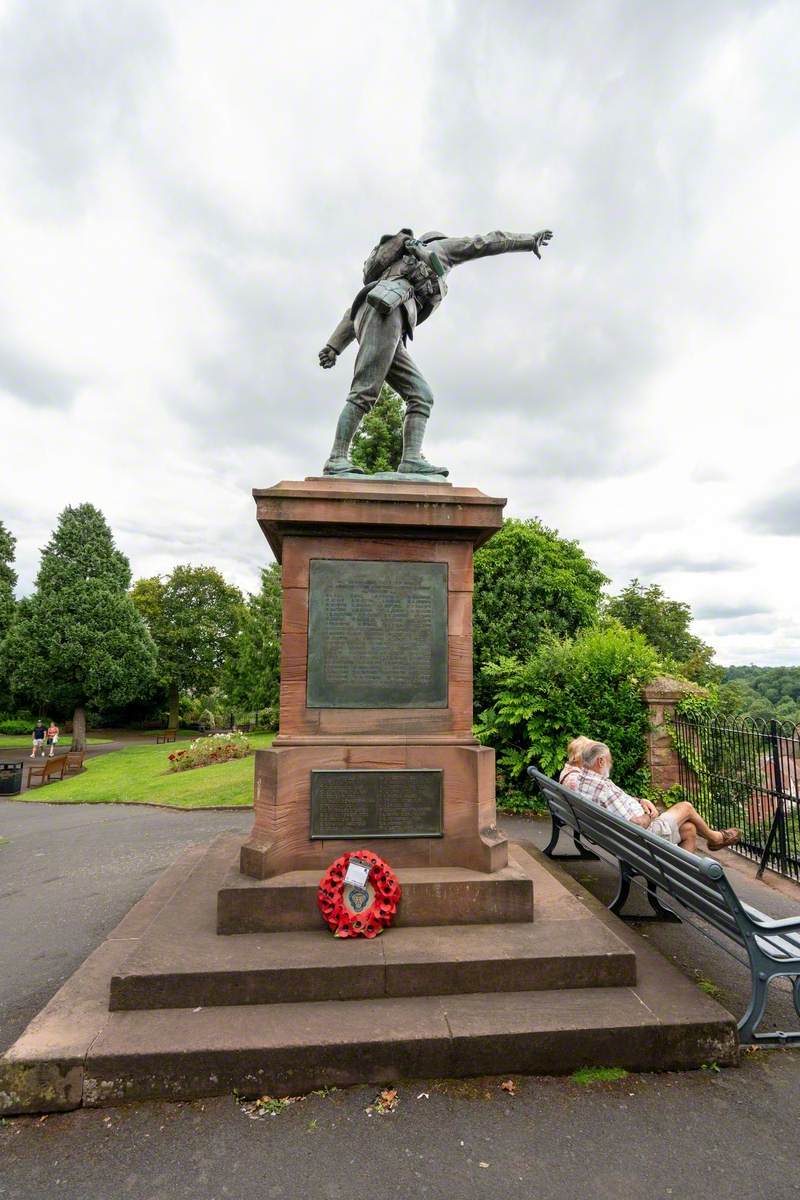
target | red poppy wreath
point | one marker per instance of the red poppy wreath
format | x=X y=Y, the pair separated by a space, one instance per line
x=359 y=910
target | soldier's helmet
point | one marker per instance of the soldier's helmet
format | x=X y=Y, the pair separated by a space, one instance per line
x=433 y=235
x=387 y=251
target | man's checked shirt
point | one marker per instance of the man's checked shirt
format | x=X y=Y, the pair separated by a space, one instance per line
x=602 y=791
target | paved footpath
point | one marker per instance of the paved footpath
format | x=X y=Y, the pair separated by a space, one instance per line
x=67 y=875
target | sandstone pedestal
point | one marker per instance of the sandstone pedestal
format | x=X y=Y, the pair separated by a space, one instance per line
x=376 y=674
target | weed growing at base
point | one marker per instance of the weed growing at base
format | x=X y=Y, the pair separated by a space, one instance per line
x=588 y=1075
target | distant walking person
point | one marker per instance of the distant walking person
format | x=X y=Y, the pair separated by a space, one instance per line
x=52 y=737
x=38 y=739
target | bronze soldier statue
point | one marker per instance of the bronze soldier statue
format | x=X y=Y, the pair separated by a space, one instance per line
x=404 y=282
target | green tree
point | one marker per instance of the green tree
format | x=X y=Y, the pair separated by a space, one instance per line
x=528 y=582
x=665 y=623
x=252 y=673
x=78 y=640
x=378 y=444
x=8 y=580
x=194 y=617
x=8 y=603
x=589 y=685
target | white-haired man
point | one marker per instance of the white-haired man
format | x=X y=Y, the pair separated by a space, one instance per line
x=679 y=824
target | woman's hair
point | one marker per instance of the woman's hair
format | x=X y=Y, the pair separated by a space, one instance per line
x=576 y=748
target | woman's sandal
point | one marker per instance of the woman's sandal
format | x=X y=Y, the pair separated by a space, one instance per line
x=729 y=836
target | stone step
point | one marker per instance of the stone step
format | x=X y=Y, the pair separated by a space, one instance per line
x=288 y=1049
x=206 y=970
x=431 y=896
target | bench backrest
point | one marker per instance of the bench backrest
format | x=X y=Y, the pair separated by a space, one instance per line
x=696 y=882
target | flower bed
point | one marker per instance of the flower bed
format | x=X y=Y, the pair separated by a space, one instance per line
x=204 y=751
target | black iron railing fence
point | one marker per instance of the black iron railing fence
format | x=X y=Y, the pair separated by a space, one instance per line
x=746 y=772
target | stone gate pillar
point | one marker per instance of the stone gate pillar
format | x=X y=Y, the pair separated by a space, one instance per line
x=662 y=696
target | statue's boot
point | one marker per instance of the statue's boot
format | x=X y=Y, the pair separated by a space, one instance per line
x=339 y=461
x=413 y=461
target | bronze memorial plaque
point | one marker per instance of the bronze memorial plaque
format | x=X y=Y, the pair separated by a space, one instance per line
x=377 y=634
x=376 y=804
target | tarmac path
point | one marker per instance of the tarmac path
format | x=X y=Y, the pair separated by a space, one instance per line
x=68 y=875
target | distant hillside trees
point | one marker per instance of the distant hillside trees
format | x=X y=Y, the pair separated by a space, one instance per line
x=764 y=692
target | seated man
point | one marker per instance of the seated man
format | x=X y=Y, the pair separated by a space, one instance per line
x=679 y=824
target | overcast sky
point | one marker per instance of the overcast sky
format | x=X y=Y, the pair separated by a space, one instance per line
x=189 y=192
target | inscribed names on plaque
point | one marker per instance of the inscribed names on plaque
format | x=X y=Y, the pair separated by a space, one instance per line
x=376 y=804
x=377 y=634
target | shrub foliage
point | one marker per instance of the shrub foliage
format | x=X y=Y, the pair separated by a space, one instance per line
x=590 y=684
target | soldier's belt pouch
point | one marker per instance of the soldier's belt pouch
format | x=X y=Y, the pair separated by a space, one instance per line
x=388 y=294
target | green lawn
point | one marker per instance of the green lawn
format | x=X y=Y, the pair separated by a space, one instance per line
x=22 y=741
x=141 y=775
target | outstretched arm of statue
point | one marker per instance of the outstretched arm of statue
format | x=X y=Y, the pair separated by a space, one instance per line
x=453 y=251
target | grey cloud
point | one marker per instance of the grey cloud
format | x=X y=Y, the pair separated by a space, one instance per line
x=779 y=514
x=33 y=380
x=668 y=564
x=71 y=80
x=727 y=612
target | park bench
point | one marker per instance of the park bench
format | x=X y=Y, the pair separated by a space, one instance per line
x=48 y=769
x=697 y=885
x=166 y=735
x=74 y=761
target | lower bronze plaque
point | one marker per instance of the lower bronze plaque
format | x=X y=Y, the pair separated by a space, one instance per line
x=376 y=804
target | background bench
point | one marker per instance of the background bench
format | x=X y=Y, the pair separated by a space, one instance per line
x=694 y=884
x=167 y=735
x=47 y=770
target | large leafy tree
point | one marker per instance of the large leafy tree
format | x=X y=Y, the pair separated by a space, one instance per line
x=78 y=640
x=378 y=444
x=194 y=617
x=665 y=623
x=529 y=583
x=252 y=672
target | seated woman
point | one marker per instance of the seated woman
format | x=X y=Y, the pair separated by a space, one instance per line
x=574 y=761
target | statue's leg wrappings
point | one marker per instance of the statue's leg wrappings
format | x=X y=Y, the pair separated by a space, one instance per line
x=406 y=378
x=378 y=339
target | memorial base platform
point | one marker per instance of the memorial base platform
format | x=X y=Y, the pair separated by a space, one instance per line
x=167 y=1008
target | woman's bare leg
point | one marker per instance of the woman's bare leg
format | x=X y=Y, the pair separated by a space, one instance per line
x=683 y=811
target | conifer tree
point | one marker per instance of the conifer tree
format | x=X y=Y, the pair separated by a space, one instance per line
x=252 y=673
x=378 y=444
x=78 y=641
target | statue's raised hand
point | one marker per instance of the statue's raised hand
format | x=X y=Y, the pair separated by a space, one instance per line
x=327 y=357
x=541 y=239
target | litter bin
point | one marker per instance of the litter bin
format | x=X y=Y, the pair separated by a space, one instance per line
x=10 y=778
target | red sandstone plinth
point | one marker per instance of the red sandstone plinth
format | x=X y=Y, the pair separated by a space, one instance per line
x=378 y=522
